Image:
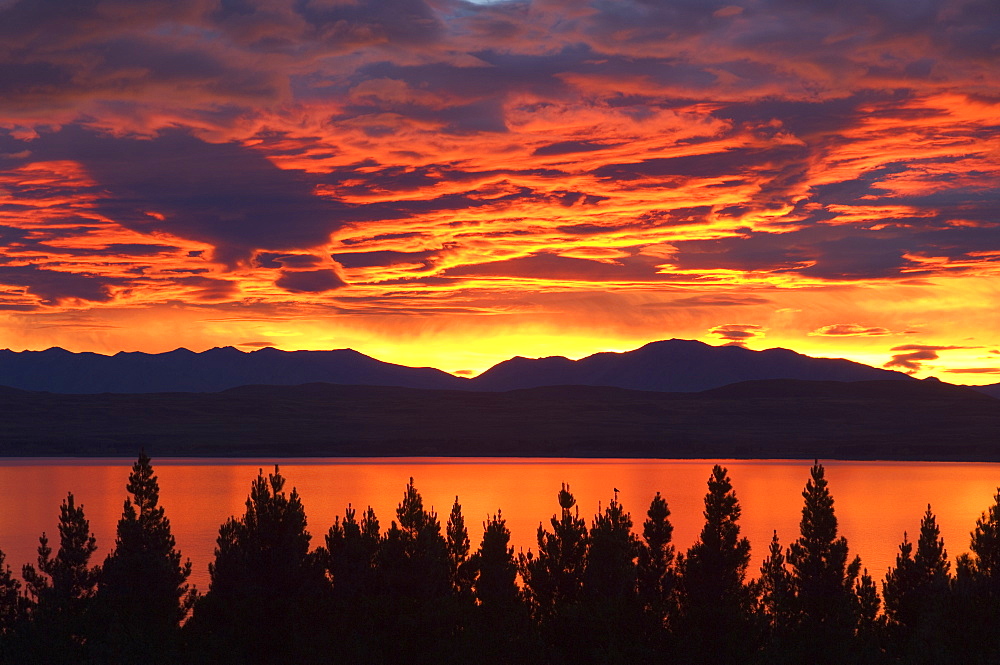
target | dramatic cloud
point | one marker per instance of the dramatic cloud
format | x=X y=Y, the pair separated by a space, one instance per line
x=310 y=281
x=442 y=174
x=738 y=334
x=915 y=355
x=850 y=329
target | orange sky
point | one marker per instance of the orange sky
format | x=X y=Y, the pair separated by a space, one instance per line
x=449 y=183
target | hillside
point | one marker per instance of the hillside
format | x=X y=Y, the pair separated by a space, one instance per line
x=770 y=419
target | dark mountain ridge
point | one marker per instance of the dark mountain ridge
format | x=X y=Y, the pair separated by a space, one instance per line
x=60 y=371
x=667 y=366
x=676 y=365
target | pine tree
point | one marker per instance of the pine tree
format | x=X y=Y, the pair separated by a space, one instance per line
x=976 y=604
x=610 y=572
x=655 y=567
x=61 y=589
x=916 y=590
x=426 y=550
x=827 y=606
x=266 y=586
x=500 y=625
x=13 y=610
x=350 y=554
x=142 y=593
x=611 y=620
x=495 y=569
x=984 y=562
x=555 y=576
x=776 y=601
x=414 y=597
x=458 y=551
x=899 y=584
x=715 y=599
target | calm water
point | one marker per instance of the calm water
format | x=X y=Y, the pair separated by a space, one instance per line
x=875 y=502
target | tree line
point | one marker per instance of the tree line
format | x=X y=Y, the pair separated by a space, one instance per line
x=416 y=592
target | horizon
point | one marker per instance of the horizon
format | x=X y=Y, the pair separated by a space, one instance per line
x=446 y=183
x=470 y=375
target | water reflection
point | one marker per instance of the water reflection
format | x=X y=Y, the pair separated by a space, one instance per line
x=875 y=501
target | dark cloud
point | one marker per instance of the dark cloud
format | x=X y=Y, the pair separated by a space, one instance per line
x=851 y=330
x=836 y=252
x=915 y=355
x=708 y=165
x=808 y=119
x=424 y=259
x=405 y=22
x=382 y=237
x=134 y=249
x=570 y=147
x=738 y=334
x=545 y=265
x=52 y=286
x=207 y=289
x=274 y=260
x=310 y=281
x=222 y=194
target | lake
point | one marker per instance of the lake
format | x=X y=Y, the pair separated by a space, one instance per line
x=875 y=502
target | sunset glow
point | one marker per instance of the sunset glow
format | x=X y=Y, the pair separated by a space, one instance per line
x=449 y=183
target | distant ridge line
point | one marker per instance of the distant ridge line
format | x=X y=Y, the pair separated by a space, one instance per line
x=674 y=365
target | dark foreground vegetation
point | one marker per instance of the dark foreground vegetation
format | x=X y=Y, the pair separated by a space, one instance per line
x=899 y=420
x=417 y=592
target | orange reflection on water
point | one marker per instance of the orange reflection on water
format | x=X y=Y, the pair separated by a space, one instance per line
x=875 y=502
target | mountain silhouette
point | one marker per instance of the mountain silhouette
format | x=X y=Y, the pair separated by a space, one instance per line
x=59 y=371
x=676 y=365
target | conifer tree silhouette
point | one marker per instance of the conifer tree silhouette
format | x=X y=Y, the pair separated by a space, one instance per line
x=142 y=594
x=554 y=576
x=495 y=584
x=13 y=612
x=976 y=603
x=349 y=558
x=350 y=553
x=501 y=626
x=715 y=600
x=828 y=607
x=266 y=586
x=610 y=571
x=611 y=619
x=917 y=594
x=61 y=589
x=656 y=574
x=413 y=600
x=776 y=601
x=458 y=552
x=425 y=571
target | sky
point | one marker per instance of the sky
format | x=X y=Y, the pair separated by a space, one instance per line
x=448 y=183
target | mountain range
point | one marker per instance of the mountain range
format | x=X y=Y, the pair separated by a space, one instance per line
x=673 y=398
x=674 y=365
